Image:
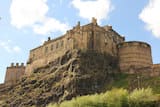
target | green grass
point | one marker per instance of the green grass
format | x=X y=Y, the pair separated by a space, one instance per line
x=153 y=82
x=121 y=81
x=130 y=82
x=114 y=98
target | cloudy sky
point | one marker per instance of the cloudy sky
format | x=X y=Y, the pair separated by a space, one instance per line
x=25 y=24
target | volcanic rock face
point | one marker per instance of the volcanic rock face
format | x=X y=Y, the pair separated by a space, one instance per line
x=74 y=74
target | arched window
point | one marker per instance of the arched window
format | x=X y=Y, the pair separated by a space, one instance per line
x=46 y=49
x=56 y=45
x=62 y=43
x=52 y=47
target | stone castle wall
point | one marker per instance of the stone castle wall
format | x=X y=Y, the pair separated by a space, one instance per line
x=2 y=86
x=46 y=53
x=155 y=70
x=14 y=73
x=87 y=37
x=133 y=55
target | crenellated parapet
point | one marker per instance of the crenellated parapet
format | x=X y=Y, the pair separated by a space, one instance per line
x=155 y=70
x=16 y=65
x=14 y=72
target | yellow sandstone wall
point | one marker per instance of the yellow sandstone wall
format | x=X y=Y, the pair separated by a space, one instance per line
x=14 y=73
x=2 y=86
x=46 y=53
x=155 y=70
x=134 y=54
x=87 y=37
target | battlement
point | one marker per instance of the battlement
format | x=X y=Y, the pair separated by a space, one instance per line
x=16 y=65
x=94 y=21
x=134 y=43
x=156 y=70
x=14 y=72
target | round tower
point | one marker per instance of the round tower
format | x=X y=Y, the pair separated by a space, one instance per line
x=134 y=54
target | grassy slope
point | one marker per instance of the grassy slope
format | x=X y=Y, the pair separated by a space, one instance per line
x=115 y=98
x=131 y=82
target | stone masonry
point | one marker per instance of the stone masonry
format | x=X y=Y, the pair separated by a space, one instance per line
x=87 y=37
x=133 y=55
x=14 y=73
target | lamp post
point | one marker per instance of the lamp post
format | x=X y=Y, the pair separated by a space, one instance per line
x=138 y=80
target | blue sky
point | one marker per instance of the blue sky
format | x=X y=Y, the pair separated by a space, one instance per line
x=25 y=24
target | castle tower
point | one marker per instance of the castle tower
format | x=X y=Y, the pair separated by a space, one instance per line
x=14 y=73
x=134 y=55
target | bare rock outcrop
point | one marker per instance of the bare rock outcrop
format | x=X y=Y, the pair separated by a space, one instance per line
x=74 y=74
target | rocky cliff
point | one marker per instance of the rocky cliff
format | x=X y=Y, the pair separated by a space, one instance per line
x=74 y=74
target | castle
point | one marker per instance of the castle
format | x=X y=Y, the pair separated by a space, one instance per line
x=134 y=56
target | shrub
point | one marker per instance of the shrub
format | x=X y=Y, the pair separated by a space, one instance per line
x=114 y=98
x=141 y=98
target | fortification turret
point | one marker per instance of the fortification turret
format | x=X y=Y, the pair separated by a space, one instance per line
x=14 y=72
x=94 y=21
x=134 y=54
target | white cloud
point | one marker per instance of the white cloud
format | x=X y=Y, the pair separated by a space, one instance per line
x=8 y=46
x=16 y=49
x=151 y=17
x=33 y=14
x=99 y=9
x=50 y=25
x=27 y=12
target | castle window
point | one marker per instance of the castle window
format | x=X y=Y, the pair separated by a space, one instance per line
x=62 y=43
x=97 y=34
x=52 y=47
x=105 y=41
x=46 y=49
x=56 y=45
x=33 y=55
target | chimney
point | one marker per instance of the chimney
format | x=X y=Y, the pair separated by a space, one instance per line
x=49 y=38
x=109 y=27
x=12 y=64
x=78 y=24
x=17 y=64
x=94 y=21
x=22 y=64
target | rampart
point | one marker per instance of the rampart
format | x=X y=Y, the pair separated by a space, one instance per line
x=156 y=70
x=2 y=86
x=14 y=73
x=134 y=54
